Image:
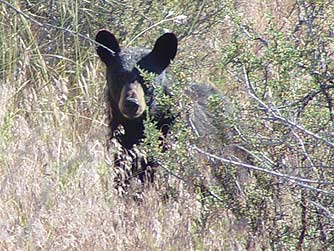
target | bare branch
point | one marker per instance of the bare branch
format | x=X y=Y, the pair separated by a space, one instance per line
x=276 y=115
x=328 y=213
x=297 y=180
x=212 y=194
x=177 y=18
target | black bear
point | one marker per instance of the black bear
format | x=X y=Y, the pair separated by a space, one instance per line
x=131 y=99
x=128 y=96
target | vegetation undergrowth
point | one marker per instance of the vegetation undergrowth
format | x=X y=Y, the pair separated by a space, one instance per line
x=262 y=179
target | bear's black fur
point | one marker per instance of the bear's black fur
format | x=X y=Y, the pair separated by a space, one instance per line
x=128 y=97
x=127 y=94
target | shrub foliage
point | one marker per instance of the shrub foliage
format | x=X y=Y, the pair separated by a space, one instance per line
x=262 y=179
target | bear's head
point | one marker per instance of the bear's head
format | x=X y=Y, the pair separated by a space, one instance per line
x=127 y=90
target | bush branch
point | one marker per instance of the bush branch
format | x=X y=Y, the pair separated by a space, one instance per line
x=297 y=180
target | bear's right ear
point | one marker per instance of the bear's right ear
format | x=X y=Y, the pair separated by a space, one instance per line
x=163 y=53
x=107 y=39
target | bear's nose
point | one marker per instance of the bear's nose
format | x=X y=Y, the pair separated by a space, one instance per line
x=131 y=104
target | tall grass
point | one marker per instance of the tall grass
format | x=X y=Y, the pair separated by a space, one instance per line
x=56 y=185
x=56 y=178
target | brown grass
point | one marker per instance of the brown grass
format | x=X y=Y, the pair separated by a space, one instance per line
x=56 y=184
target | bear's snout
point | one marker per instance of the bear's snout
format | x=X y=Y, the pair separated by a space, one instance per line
x=132 y=101
x=131 y=105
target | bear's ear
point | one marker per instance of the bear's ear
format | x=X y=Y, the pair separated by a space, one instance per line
x=107 y=39
x=165 y=47
x=163 y=52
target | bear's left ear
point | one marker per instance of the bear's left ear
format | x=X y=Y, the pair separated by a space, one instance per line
x=163 y=53
x=109 y=40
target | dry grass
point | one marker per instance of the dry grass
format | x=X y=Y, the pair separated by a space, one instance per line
x=57 y=194
x=56 y=184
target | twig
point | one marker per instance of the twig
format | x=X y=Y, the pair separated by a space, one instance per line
x=73 y=33
x=212 y=194
x=303 y=222
x=328 y=213
x=276 y=114
x=298 y=180
x=180 y=17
